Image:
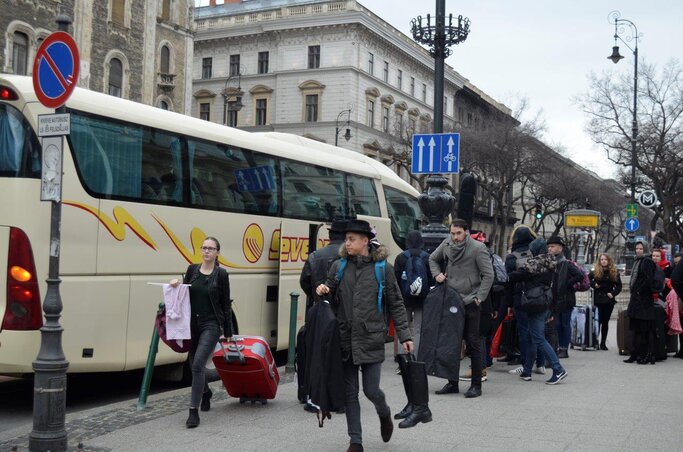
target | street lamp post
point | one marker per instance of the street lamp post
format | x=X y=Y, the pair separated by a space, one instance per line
x=347 y=134
x=227 y=96
x=621 y=27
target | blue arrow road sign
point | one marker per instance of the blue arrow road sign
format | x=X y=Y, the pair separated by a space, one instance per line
x=436 y=153
x=257 y=178
x=631 y=225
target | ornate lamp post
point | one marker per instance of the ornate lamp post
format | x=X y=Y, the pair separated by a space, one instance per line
x=237 y=106
x=437 y=203
x=347 y=134
x=630 y=32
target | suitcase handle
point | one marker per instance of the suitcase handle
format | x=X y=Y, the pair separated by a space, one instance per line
x=232 y=352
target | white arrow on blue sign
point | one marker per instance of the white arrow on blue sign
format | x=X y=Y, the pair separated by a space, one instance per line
x=436 y=153
x=631 y=225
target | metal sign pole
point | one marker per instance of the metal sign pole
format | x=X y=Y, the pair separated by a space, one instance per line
x=49 y=397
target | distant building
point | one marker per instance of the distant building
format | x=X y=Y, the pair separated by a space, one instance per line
x=136 y=49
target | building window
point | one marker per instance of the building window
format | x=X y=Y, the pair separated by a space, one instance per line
x=165 y=66
x=412 y=86
x=261 y=110
x=207 y=63
x=205 y=111
x=311 y=107
x=118 y=8
x=371 y=63
x=263 y=62
x=385 y=119
x=399 y=79
x=399 y=121
x=445 y=105
x=163 y=105
x=424 y=92
x=20 y=53
x=166 y=9
x=413 y=126
x=115 y=77
x=313 y=57
x=232 y=113
x=371 y=113
x=234 y=64
x=386 y=71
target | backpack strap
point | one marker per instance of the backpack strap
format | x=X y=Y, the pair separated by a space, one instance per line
x=340 y=269
x=380 y=274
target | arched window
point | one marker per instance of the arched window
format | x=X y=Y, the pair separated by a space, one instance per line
x=20 y=53
x=163 y=105
x=115 y=77
x=165 y=60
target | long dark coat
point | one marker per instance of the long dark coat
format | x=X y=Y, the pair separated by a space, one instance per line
x=641 y=304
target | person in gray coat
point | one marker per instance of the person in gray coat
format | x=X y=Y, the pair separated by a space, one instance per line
x=354 y=296
x=465 y=264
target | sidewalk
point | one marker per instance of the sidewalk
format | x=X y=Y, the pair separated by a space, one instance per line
x=603 y=405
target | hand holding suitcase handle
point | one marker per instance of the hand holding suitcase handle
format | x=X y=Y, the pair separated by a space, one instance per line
x=232 y=351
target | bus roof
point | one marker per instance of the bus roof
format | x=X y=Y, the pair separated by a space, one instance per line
x=272 y=143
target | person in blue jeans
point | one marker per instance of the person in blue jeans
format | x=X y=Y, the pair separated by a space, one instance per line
x=564 y=296
x=538 y=272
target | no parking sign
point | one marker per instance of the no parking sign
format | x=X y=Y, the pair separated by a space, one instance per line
x=55 y=69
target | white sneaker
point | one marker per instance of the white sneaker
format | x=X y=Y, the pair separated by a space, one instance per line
x=539 y=370
x=516 y=371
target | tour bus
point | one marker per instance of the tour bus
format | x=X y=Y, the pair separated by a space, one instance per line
x=142 y=187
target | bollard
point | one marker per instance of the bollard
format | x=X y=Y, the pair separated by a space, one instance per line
x=293 y=310
x=149 y=367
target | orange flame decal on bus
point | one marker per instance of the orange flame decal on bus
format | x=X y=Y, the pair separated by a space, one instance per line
x=117 y=226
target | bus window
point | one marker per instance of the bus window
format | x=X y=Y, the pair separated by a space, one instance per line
x=311 y=192
x=19 y=147
x=404 y=212
x=362 y=196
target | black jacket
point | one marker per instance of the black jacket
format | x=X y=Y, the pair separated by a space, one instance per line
x=641 y=304
x=565 y=276
x=315 y=270
x=400 y=266
x=440 y=343
x=219 y=294
x=606 y=286
x=324 y=374
x=677 y=280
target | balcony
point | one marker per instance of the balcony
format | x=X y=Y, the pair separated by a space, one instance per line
x=166 y=82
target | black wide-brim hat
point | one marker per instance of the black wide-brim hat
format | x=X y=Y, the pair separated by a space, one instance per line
x=338 y=226
x=556 y=239
x=360 y=227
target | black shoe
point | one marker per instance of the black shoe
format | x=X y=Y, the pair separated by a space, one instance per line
x=644 y=360
x=206 y=401
x=386 y=427
x=603 y=347
x=474 y=391
x=631 y=359
x=192 y=419
x=405 y=412
x=419 y=414
x=448 y=388
x=310 y=408
x=355 y=447
x=563 y=353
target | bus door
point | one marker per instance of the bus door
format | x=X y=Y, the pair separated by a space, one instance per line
x=294 y=236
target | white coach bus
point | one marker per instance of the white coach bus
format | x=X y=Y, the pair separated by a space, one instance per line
x=142 y=187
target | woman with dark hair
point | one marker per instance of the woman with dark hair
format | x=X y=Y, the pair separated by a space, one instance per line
x=641 y=309
x=211 y=315
x=606 y=284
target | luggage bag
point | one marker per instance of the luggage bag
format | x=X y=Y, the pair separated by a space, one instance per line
x=247 y=368
x=584 y=334
x=624 y=334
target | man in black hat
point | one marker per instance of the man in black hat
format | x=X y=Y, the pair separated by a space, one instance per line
x=318 y=263
x=564 y=297
x=353 y=288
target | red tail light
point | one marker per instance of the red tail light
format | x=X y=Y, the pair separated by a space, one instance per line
x=7 y=94
x=23 y=310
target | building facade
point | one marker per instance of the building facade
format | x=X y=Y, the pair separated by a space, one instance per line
x=136 y=49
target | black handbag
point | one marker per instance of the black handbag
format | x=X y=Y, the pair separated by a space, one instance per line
x=536 y=300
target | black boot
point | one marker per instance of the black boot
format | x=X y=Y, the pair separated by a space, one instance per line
x=419 y=396
x=474 y=391
x=631 y=359
x=192 y=419
x=206 y=400
x=402 y=361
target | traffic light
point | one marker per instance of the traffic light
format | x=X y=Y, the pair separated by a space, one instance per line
x=539 y=212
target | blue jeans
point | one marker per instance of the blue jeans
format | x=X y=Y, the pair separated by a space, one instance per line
x=536 y=340
x=371 y=376
x=564 y=329
x=205 y=335
x=523 y=334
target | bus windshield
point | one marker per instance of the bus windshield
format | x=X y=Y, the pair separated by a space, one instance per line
x=404 y=213
x=19 y=147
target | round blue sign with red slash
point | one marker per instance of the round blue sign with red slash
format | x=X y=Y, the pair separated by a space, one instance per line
x=55 y=69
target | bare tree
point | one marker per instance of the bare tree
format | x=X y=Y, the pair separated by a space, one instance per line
x=659 y=156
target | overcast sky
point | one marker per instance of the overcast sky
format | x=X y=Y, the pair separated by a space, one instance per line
x=543 y=51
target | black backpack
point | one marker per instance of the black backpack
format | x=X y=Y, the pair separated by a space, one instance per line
x=415 y=268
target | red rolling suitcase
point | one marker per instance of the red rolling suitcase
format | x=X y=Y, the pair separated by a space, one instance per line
x=247 y=368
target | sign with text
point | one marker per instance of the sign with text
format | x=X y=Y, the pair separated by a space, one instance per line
x=436 y=153
x=54 y=125
x=582 y=218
